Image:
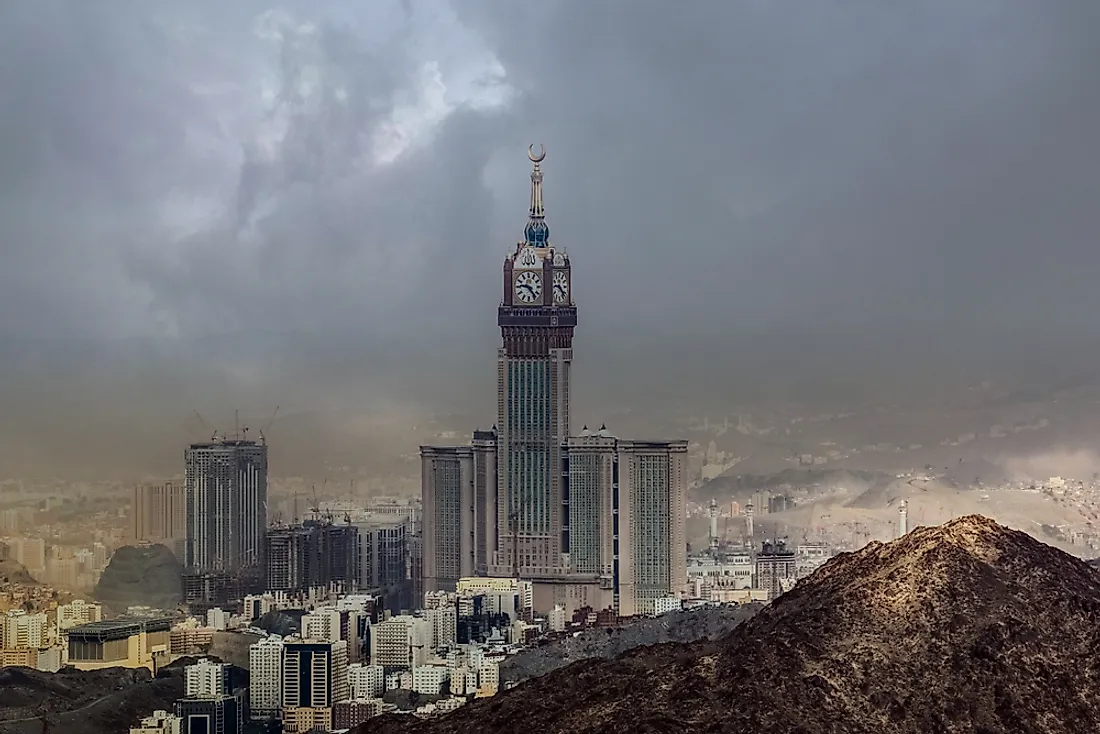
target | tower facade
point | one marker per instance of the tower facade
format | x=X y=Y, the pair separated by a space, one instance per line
x=226 y=505
x=536 y=318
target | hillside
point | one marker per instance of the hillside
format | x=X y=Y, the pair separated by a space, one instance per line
x=680 y=626
x=12 y=572
x=82 y=702
x=967 y=627
x=147 y=575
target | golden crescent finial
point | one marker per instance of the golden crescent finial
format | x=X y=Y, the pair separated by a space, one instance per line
x=531 y=153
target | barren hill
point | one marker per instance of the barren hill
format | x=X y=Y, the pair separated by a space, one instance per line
x=968 y=627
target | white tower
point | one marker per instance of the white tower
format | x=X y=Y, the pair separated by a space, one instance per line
x=748 y=521
x=903 y=519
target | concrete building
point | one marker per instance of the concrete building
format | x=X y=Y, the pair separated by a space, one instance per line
x=161 y=722
x=400 y=642
x=627 y=510
x=458 y=487
x=315 y=677
x=206 y=679
x=122 y=643
x=265 y=680
x=226 y=505
x=366 y=681
x=22 y=630
x=776 y=568
x=158 y=514
x=223 y=714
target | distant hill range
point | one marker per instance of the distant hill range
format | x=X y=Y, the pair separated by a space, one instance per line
x=964 y=627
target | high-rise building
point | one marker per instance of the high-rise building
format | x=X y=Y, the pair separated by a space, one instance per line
x=265 y=677
x=211 y=715
x=315 y=676
x=226 y=505
x=158 y=514
x=458 y=487
x=501 y=506
x=206 y=679
x=776 y=568
x=385 y=559
x=534 y=365
x=314 y=553
x=626 y=516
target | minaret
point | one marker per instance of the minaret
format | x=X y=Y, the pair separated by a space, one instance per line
x=903 y=519
x=748 y=521
x=534 y=367
x=713 y=524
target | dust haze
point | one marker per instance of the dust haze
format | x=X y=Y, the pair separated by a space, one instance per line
x=848 y=208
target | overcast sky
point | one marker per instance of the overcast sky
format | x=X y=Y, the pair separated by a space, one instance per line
x=181 y=168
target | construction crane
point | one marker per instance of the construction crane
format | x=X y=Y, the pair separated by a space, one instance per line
x=263 y=438
x=207 y=426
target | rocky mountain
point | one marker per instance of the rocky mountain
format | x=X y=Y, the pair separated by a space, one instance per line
x=146 y=575
x=83 y=702
x=967 y=627
x=13 y=572
x=686 y=625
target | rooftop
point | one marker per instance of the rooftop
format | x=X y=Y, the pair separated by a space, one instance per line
x=115 y=629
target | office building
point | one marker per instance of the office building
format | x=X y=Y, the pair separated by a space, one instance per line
x=158 y=514
x=265 y=680
x=223 y=714
x=315 y=677
x=226 y=505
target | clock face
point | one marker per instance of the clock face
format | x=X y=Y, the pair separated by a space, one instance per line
x=528 y=259
x=528 y=286
x=561 y=287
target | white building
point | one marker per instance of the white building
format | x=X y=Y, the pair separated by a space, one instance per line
x=217 y=619
x=161 y=722
x=428 y=680
x=77 y=612
x=265 y=668
x=557 y=619
x=22 y=630
x=444 y=623
x=488 y=677
x=322 y=624
x=400 y=642
x=667 y=604
x=366 y=681
x=206 y=679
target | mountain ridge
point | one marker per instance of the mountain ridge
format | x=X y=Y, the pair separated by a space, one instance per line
x=964 y=627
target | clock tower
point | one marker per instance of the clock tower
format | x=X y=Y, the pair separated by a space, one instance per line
x=536 y=319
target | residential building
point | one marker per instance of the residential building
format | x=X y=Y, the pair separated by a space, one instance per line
x=223 y=714
x=77 y=612
x=265 y=680
x=206 y=679
x=315 y=677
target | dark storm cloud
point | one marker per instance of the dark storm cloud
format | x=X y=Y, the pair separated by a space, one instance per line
x=713 y=167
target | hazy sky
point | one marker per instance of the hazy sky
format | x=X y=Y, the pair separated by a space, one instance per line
x=198 y=167
x=809 y=171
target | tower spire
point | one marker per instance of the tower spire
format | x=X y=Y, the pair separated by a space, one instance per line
x=536 y=233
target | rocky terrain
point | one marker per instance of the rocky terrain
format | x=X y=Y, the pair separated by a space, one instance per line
x=140 y=576
x=12 y=572
x=681 y=626
x=83 y=702
x=967 y=627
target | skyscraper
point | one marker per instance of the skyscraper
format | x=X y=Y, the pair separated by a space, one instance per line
x=536 y=319
x=158 y=514
x=459 y=496
x=226 y=505
x=526 y=500
x=626 y=514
